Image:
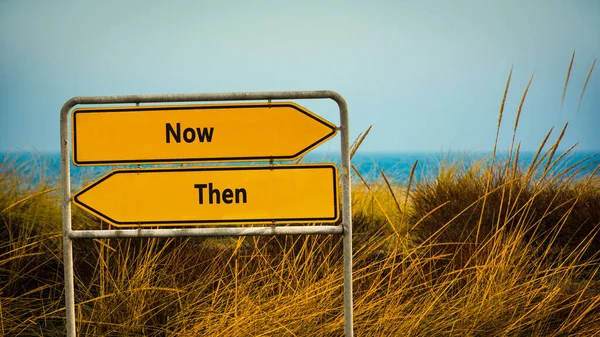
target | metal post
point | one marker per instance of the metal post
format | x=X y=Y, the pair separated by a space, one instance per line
x=345 y=228
x=346 y=217
x=66 y=221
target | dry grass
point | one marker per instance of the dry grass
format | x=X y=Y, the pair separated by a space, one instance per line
x=419 y=270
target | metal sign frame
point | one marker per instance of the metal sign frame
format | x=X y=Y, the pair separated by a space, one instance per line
x=345 y=228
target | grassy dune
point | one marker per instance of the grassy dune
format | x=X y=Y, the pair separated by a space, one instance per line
x=480 y=250
x=490 y=249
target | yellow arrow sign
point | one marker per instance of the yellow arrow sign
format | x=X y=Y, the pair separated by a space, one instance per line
x=187 y=133
x=226 y=194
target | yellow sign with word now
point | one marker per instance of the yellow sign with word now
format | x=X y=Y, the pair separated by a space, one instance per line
x=194 y=133
x=213 y=195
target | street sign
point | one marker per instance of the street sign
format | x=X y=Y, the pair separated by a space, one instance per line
x=225 y=194
x=193 y=133
x=302 y=193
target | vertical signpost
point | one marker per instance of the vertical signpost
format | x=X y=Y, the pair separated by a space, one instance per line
x=185 y=197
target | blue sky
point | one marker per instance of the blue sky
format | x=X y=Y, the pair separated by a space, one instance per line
x=428 y=75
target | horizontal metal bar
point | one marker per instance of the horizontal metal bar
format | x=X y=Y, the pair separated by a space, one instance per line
x=185 y=232
x=225 y=96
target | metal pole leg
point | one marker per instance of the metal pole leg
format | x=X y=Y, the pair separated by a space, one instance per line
x=346 y=216
x=66 y=221
x=69 y=286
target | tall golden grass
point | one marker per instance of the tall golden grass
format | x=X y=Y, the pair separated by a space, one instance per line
x=494 y=248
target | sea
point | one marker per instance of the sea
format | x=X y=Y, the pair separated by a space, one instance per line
x=396 y=166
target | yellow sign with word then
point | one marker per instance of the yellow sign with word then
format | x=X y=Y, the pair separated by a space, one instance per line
x=193 y=133
x=213 y=195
